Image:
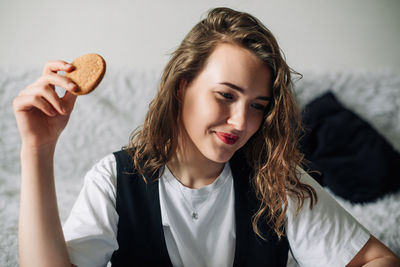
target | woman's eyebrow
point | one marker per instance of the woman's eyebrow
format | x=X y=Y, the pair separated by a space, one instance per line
x=237 y=88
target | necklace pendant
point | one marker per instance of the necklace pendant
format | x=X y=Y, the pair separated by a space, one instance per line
x=195 y=216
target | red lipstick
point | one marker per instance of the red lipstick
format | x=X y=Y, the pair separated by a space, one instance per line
x=229 y=139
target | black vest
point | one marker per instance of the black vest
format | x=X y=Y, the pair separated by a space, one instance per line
x=140 y=231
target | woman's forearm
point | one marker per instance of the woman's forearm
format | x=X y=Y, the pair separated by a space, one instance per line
x=41 y=240
x=384 y=261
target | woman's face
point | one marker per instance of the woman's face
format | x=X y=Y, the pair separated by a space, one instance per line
x=224 y=105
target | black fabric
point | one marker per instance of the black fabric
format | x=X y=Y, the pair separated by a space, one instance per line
x=250 y=249
x=355 y=161
x=140 y=233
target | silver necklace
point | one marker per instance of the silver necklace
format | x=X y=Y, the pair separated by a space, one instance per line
x=195 y=212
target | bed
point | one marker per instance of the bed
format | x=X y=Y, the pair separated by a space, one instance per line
x=102 y=122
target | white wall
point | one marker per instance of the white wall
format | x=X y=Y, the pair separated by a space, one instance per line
x=328 y=35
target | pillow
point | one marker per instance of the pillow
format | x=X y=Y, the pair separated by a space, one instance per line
x=355 y=161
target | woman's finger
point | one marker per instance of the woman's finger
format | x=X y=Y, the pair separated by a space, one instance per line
x=47 y=92
x=53 y=66
x=68 y=101
x=28 y=102
x=52 y=97
x=58 y=80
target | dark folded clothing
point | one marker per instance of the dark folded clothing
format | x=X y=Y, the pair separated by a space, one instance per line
x=355 y=161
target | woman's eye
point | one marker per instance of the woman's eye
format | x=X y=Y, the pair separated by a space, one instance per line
x=258 y=106
x=226 y=95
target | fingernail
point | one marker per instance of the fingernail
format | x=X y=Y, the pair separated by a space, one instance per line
x=71 y=85
x=68 y=66
x=63 y=110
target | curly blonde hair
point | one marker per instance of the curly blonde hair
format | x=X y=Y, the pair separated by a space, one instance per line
x=272 y=151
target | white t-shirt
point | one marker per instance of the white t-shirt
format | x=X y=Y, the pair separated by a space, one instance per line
x=327 y=235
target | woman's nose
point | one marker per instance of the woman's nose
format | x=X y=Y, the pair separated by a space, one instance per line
x=238 y=117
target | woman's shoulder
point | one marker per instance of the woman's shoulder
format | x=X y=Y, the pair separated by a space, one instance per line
x=306 y=178
x=105 y=164
x=104 y=172
x=108 y=164
x=325 y=227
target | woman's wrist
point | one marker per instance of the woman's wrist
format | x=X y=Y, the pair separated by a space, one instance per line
x=37 y=159
x=33 y=148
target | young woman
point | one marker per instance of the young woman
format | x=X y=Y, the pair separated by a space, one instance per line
x=212 y=178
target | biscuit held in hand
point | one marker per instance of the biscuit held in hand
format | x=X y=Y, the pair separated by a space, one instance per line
x=88 y=72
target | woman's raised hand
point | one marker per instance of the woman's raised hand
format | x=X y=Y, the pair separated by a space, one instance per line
x=40 y=113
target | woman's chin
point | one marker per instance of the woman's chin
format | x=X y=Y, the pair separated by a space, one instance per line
x=221 y=157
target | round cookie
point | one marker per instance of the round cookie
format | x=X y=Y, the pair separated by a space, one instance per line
x=88 y=72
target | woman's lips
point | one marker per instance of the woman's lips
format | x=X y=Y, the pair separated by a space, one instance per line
x=227 y=138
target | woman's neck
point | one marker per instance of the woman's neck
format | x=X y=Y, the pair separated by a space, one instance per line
x=194 y=171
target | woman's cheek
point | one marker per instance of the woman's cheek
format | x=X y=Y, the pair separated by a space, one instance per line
x=210 y=109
